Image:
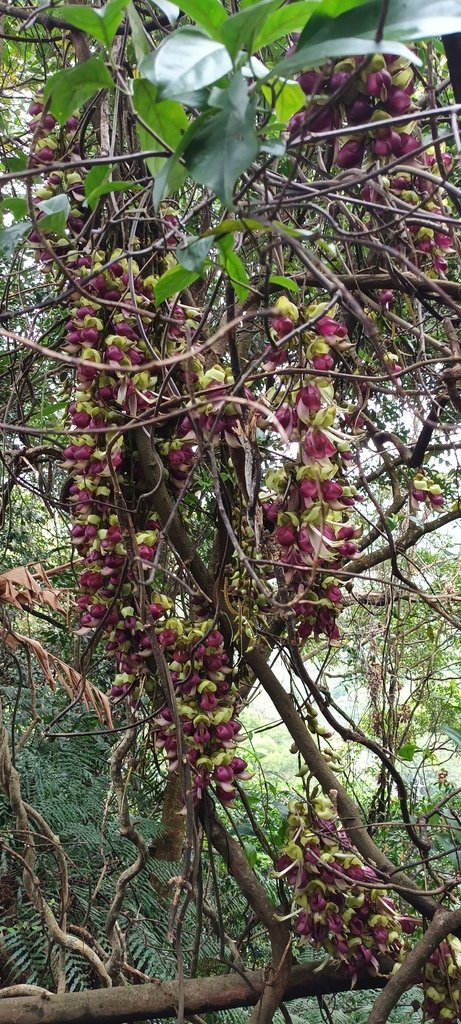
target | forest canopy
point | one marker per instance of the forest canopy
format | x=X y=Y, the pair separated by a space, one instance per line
x=230 y=366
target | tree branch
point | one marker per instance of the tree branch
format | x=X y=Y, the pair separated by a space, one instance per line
x=159 y=999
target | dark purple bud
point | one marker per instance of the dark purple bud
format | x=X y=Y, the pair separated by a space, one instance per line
x=398 y=101
x=338 y=80
x=359 y=111
x=351 y=153
x=408 y=143
x=286 y=535
x=224 y=773
x=328 y=327
x=378 y=82
x=311 y=82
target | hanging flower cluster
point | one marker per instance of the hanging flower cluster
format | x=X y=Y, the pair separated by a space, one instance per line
x=371 y=91
x=442 y=982
x=432 y=244
x=338 y=905
x=425 y=491
x=112 y=341
x=310 y=502
x=207 y=702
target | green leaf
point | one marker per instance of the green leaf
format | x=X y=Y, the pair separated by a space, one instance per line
x=452 y=733
x=167 y=119
x=57 y=211
x=333 y=31
x=240 y=30
x=139 y=36
x=171 y=11
x=405 y=20
x=69 y=89
x=289 y=99
x=17 y=205
x=281 y=22
x=168 y=123
x=16 y=163
x=225 y=144
x=235 y=270
x=284 y=282
x=193 y=253
x=186 y=62
x=172 y=282
x=311 y=55
x=163 y=182
x=10 y=236
x=208 y=13
x=96 y=177
x=275 y=147
x=93 y=196
x=408 y=751
x=99 y=22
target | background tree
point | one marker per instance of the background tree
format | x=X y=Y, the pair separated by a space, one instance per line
x=229 y=375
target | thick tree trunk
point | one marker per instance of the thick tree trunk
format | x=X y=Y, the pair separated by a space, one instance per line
x=160 y=998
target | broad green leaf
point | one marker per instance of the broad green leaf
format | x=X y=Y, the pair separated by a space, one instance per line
x=99 y=22
x=139 y=36
x=96 y=177
x=15 y=163
x=67 y=90
x=210 y=14
x=284 y=282
x=167 y=122
x=408 y=751
x=166 y=118
x=17 y=205
x=186 y=62
x=106 y=187
x=225 y=145
x=289 y=99
x=172 y=282
x=291 y=18
x=452 y=733
x=405 y=20
x=165 y=180
x=10 y=236
x=311 y=55
x=236 y=271
x=193 y=253
x=240 y=30
x=333 y=31
x=170 y=10
x=56 y=212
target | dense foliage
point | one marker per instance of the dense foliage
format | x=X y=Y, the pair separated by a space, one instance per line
x=229 y=372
